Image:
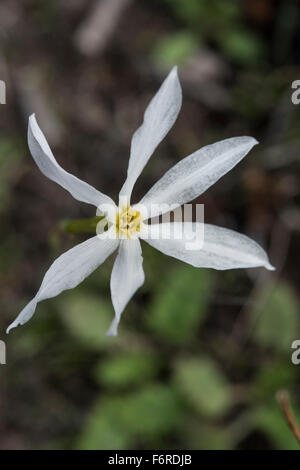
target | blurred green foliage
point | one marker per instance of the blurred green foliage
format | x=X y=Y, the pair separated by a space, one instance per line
x=278 y=321
x=268 y=418
x=204 y=386
x=140 y=417
x=178 y=375
x=181 y=305
x=175 y=49
x=221 y=23
x=191 y=405
x=126 y=369
x=87 y=317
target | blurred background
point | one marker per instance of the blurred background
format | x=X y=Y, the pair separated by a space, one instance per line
x=200 y=354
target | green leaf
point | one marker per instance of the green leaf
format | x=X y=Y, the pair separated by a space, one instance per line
x=117 y=421
x=126 y=369
x=152 y=411
x=273 y=377
x=87 y=317
x=199 y=435
x=278 y=323
x=181 y=304
x=242 y=46
x=204 y=386
x=174 y=49
x=104 y=429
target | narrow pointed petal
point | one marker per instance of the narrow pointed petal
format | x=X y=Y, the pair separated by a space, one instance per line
x=222 y=248
x=46 y=162
x=196 y=173
x=159 y=117
x=67 y=271
x=126 y=277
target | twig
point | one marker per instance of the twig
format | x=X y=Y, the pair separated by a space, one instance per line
x=283 y=399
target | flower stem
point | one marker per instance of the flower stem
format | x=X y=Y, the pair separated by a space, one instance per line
x=81 y=225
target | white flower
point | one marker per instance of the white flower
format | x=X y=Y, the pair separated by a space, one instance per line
x=221 y=249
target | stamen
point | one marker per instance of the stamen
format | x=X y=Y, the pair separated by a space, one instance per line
x=128 y=222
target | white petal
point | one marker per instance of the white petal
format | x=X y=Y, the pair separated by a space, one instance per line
x=196 y=173
x=222 y=248
x=67 y=271
x=159 y=117
x=46 y=162
x=126 y=277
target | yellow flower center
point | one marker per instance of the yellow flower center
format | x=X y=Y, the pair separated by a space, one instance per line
x=128 y=222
